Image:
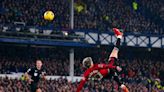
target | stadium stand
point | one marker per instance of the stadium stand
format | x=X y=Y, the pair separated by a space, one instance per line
x=97 y=15
x=63 y=85
x=143 y=68
x=137 y=74
x=31 y=12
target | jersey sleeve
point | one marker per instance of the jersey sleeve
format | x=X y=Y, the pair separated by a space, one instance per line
x=83 y=80
x=29 y=71
x=103 y=66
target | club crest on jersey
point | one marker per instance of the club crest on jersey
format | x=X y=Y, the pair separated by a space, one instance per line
x=95 y=75
x=35 y=74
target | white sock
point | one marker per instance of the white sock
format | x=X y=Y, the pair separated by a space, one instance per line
x=122 y=86
x=119 y=36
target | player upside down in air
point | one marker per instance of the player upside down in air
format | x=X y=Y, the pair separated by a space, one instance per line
x=104 y=71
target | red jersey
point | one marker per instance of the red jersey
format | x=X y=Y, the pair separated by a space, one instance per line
x=97 y=72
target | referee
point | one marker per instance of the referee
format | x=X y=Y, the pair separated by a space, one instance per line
x=34 y=74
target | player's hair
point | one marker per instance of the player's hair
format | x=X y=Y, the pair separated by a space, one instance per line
x=87 y=62
x=39 y=60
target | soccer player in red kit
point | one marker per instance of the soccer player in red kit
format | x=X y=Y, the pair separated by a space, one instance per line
x=104 y=71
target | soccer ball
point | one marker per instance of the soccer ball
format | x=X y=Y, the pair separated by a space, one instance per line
x=49 y=15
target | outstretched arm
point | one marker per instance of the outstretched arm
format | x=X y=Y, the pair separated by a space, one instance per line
x=28 y=75
x=101 y=66
x=109 y=66
x=82 y=82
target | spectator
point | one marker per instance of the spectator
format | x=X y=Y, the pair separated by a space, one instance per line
x=95 y=14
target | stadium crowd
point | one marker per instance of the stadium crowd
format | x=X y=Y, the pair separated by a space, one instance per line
x=134 y=68
x=31 y=12
x=63 y=85
x=138 y=72
x=143 y=71
x=108 y=13
x=94 y=14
